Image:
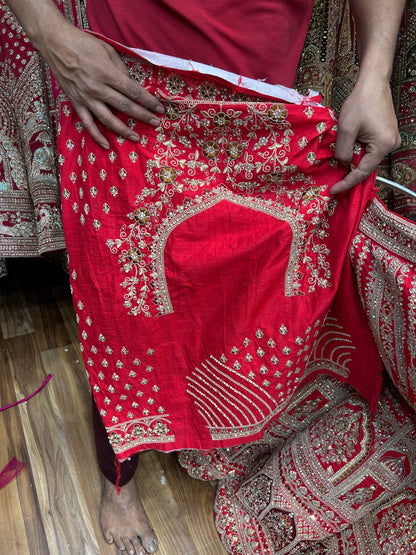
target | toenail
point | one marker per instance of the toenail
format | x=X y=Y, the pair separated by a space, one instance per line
x=152 y=547
x=131 y=552
x=122 y=548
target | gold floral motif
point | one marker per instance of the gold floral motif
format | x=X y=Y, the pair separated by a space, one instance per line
x=221 y=119
x=234 y=150
x=274 y=177
x=207 y=91
x=211 y=149
x=174 y=84
x=171 y=111
x=167 y=175
x=134 y=255
x=139 y=72
x=141 y=215
x=311 y=193
x=277 y=113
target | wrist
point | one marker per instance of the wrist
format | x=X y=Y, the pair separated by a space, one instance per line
x=53 y=38
x=41 y=21
x=373 y=79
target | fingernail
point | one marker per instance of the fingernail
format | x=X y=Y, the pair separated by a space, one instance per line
x=131 y=552
x=105 y=145
x=160 y=110
x=134 y=137
x=155 y=122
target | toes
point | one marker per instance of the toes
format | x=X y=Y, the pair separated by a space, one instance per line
x=130 y=548
x=134 y=547
x=119 y=544
x=108 y=536
x=149 y=544
x=139 y=550
x=149 y=541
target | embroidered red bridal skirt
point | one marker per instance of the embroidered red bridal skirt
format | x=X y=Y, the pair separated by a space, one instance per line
x=209 y=263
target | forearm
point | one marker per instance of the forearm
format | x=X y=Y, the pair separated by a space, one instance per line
x=89 y=71
x=377 y=23
x=367 y=115
x=41 y=20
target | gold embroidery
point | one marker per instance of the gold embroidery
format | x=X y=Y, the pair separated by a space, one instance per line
x=128 y=434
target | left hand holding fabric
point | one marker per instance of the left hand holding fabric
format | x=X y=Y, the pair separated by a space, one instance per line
x=368 y=117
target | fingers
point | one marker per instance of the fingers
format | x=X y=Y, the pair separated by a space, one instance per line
x=130 y=89
x=88 y=122
x=368 y=163
x=91 y=108
x=377 y=147
x=375 y=153
x=367 y=117
x=99 y=104
x=344 y=147
x=133 y=95
x=123 y=104
x=351 y=179
x=125 y=95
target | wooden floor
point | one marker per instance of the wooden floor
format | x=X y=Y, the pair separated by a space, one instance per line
x=51 y=507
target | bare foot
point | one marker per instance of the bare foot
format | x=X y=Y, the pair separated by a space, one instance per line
x=123 y=520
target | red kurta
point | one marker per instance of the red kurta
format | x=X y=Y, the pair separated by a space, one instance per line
x=261 y=39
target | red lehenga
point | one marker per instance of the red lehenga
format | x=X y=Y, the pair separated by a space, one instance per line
x=30 y=218
x=206 y=264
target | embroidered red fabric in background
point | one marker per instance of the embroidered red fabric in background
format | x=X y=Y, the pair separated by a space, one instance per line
x=206 y=262
x=261 y=39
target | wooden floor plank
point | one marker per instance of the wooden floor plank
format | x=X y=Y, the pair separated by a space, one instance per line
x=49 y=328
x=12 y=524
x=23 y=509
x=64 y=302
x=197 y=500
x=61 y=502
x=162 y=508
x=73 y=396
x=53 y=504
x=15 y=317
x=183 y=521
x=13 y=530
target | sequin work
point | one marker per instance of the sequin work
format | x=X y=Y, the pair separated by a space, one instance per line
x=328 y=478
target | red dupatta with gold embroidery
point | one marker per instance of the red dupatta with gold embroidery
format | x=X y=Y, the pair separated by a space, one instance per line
x=206 y=262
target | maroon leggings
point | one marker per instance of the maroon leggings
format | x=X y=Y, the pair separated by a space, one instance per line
x=105 y=454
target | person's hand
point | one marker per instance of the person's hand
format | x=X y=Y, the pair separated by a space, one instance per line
x=96 y=81
x=368 y=117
